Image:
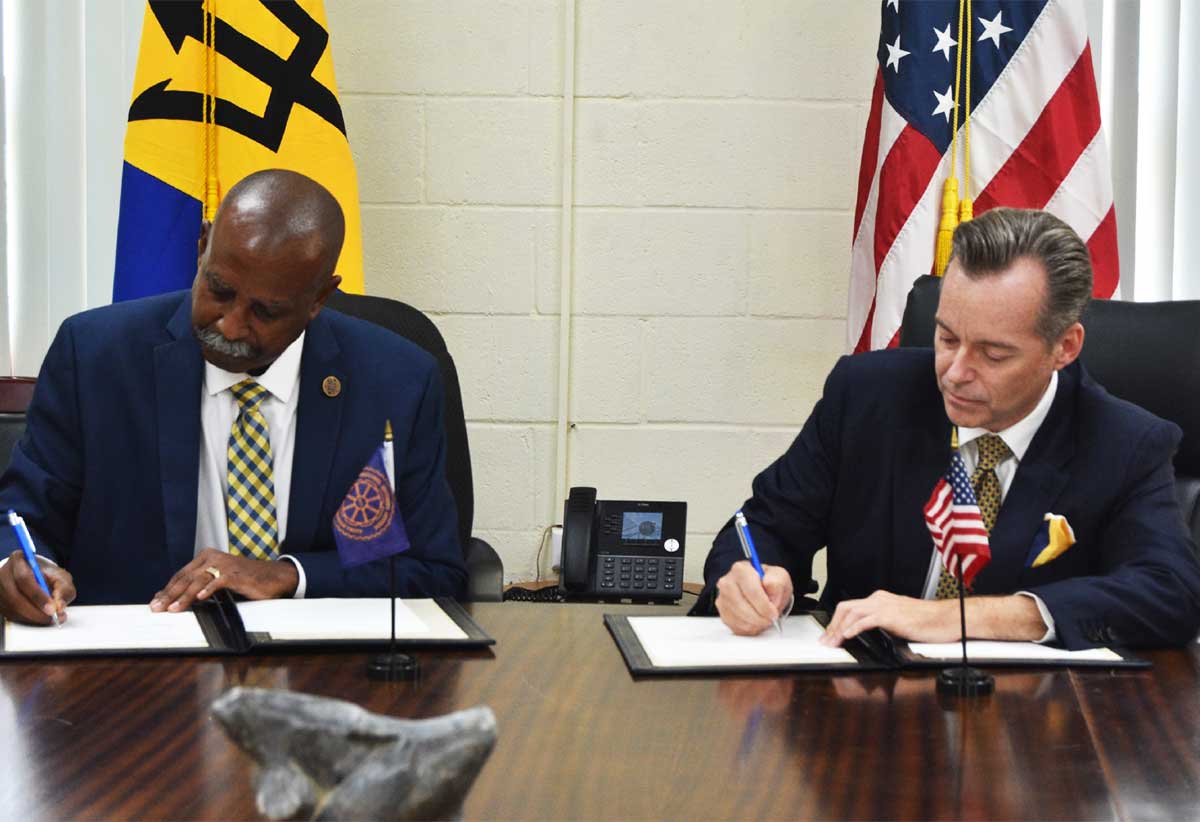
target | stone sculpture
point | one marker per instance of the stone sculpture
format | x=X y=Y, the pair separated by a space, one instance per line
x=325 y=758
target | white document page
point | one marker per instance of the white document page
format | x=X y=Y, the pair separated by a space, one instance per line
x=990 y=649
x=108 y=628
x=698 y=642
x=347 y=619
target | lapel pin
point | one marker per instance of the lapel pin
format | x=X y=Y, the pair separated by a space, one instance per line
x=332 y=386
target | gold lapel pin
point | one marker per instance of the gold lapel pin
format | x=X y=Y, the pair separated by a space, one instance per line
x=332 y=386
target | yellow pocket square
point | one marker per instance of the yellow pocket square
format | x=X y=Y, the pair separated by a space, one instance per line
x=1053 y=539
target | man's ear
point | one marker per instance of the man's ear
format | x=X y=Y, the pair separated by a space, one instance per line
x=330 y=285
x=202 y=244
x=1069 y=346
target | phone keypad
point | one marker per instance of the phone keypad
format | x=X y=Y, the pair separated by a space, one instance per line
x=640 y=576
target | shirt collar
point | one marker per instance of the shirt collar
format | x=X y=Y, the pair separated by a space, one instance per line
x=280 y=378
x=1019 y=435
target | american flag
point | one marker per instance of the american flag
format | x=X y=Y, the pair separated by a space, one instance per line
x=1035 y=142
x=952 y=515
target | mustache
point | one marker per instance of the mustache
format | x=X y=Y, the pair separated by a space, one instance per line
x=216 y=342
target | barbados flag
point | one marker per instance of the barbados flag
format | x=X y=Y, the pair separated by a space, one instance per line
x=225 y=88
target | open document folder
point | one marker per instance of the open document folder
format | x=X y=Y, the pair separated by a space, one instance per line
x=684 y=644
x=222 y=625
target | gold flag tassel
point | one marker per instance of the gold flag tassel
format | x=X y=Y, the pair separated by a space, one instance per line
x=950 y=201
x=947 y=225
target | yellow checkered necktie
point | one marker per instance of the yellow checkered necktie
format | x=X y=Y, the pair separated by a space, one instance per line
x=992 y=452
x=250 y=504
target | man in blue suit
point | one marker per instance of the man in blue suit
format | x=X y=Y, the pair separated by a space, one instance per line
x=1038 y=437
x=190 y=442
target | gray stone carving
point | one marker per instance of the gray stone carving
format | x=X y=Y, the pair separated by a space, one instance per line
x=323 y=758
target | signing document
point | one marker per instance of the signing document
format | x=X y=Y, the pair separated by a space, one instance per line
x=106 y=628
x=223 y=625
x=694 y=642
x=978 y=649
x=346 y=619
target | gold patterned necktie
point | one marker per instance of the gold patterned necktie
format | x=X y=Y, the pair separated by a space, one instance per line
x=250 y=505
x=992 y=452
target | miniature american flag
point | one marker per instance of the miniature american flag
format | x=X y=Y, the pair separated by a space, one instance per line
x=955 y=524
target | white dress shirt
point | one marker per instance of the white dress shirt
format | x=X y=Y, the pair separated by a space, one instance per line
x=218 y=410
x=1017 y=437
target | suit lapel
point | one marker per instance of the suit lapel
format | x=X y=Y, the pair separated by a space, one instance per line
x=1040 y=479
x=178 y=377
x=318 y=420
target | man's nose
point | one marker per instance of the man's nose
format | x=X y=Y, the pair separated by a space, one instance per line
x=960 y=370
x=233 y=325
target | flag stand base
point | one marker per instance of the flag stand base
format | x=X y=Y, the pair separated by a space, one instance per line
x=964 y=681
x=392 y=667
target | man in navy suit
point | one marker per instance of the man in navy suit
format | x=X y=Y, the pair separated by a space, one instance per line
x=134 y=478
x=857 y=478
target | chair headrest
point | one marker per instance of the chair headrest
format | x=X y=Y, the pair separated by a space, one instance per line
x=1149 y=354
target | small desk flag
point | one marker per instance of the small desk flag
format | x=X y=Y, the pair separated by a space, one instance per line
x=221 y=90
x=953 y=518
x=368 y=526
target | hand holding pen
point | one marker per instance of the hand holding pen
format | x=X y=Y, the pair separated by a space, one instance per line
x=751 y=596
x=25 y=594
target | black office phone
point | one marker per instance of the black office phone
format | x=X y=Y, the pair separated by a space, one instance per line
x=615 y=550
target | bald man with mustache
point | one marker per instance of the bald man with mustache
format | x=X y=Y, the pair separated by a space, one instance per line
x=124 y=472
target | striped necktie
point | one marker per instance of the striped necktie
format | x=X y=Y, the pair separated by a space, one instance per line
x=250 y=504
x=992 y=452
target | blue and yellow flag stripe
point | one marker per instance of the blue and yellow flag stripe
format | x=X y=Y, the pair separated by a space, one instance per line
x=224 y=88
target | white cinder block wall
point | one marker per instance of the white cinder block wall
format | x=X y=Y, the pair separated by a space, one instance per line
x=715 y=161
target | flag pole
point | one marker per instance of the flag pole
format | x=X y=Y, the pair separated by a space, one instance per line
x=962 y=616
x=391 y=666
x=964 y=680
x=392 y=590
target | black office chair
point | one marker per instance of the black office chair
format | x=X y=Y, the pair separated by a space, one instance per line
x=15 y=394
x=1147 y=353
x=484 y=568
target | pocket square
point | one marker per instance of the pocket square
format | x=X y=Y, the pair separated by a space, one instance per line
x=1053 y=538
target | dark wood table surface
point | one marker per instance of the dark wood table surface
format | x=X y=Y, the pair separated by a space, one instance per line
x=579 y=738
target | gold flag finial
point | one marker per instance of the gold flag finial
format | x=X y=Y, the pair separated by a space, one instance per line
x=387 y=431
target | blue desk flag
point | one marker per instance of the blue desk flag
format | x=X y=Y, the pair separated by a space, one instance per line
x=368 y=525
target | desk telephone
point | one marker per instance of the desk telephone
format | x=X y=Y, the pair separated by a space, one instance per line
x=622 y=549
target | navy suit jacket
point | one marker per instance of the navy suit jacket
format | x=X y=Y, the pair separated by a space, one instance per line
x=857 y=477
x=106 y=474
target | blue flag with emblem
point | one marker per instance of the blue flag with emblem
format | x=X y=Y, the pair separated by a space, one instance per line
x=368 y=525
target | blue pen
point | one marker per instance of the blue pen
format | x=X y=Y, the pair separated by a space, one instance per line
x=26 y=541
x=743 y=531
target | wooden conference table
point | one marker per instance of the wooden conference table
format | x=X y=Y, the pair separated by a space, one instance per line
x=579 y=738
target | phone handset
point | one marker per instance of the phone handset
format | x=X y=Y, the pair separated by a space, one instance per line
x=579 y=514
